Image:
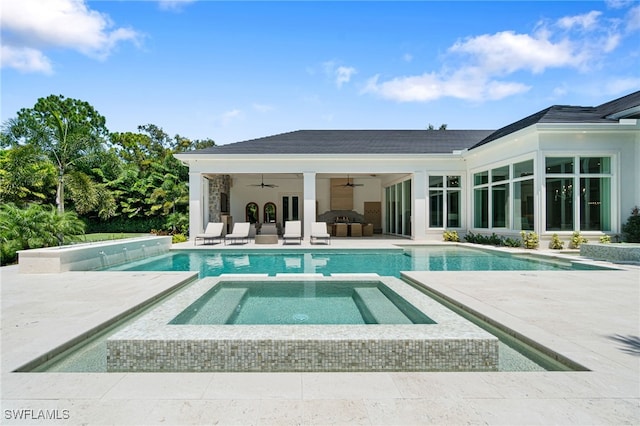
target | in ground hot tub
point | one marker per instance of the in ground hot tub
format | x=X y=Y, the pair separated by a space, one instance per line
x=292 y=324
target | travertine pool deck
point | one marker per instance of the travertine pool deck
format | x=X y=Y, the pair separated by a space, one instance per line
x=592 y=317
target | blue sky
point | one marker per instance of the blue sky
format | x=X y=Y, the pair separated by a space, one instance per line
x=232 y=71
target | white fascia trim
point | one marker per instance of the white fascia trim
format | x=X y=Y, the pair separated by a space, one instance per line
x=627 y=112
x=186 y=158
x=626 y=125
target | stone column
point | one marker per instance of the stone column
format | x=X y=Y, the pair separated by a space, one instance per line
x=218 y=185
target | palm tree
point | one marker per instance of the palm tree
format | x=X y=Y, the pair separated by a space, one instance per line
x=68 y=131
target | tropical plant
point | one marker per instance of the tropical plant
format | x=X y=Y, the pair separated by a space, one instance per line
x=577 y=240
x=556 y=243
x=631 y=229
x=451 y=236
x=26 y=176
x=605 y=239
x=530 y=240
x=34 y=227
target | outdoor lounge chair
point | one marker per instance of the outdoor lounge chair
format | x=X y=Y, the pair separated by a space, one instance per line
x=240 y=233
x=212 y=233
x=292 y=231
x=319 y=232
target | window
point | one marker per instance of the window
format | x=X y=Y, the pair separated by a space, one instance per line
x=398 y=208
x=444 y=201
x=578 y=198
x=251 y=213
x=269 y=213
x=290 y=208
x=503 y=197
x=523 y=196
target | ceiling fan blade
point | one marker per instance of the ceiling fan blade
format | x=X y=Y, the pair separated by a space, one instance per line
x=264 y=185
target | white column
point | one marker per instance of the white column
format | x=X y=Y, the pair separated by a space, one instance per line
x=309 y=203
x=419 y=209
x=195 y=205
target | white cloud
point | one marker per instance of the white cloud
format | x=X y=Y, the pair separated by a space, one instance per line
x=338 y=73
x=467 y=84
x=633 y=19
x=174 y=5
x=262 y=107
x=227 y=117
x=25 y=59
x=507 y=52
x=407 y=57
x=35 y=25
x=618 y=4
x=486 y=66
x=586 y=21
x=343 y=75
x=621 y=85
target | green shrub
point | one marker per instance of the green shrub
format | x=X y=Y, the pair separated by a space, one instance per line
x=495 y=240
x=492 y=239
x=556 y=243
x=576 y=240
x=530 y=240
x=178 y=238
x=123 y=224
x=605 y=239
x=631 y=229
x=512 y=242
x=451 y=236
x=470 y=237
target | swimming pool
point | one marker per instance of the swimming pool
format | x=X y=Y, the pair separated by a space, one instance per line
x=301 y=302
x=385 y=262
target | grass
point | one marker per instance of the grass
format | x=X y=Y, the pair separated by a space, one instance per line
x=107 y=236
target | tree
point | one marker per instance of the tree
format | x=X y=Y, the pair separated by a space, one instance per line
x=153 y=182
x=442 y=127
x=69 y=131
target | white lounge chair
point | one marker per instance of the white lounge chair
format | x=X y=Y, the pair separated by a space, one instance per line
x=292 y=231
x=319 y=232
x=240 y=233
x=211 y=233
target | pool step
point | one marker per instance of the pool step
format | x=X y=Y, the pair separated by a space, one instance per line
x=227 y=300
x=380 y=307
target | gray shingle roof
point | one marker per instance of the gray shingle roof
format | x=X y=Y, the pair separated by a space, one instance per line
x=413 y=141
x=568 y=114
x=355 y=142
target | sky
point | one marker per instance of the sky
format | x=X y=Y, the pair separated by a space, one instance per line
x=233 y=71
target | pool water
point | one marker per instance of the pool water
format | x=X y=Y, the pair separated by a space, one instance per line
x=307 y=302
x=387 y=262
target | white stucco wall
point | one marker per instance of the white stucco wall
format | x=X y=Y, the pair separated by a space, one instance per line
x=622 y=142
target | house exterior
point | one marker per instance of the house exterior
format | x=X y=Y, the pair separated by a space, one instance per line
x=560 y=170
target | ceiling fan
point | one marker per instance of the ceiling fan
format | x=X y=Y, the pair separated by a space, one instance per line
x=264 y=185
x=350 y=184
